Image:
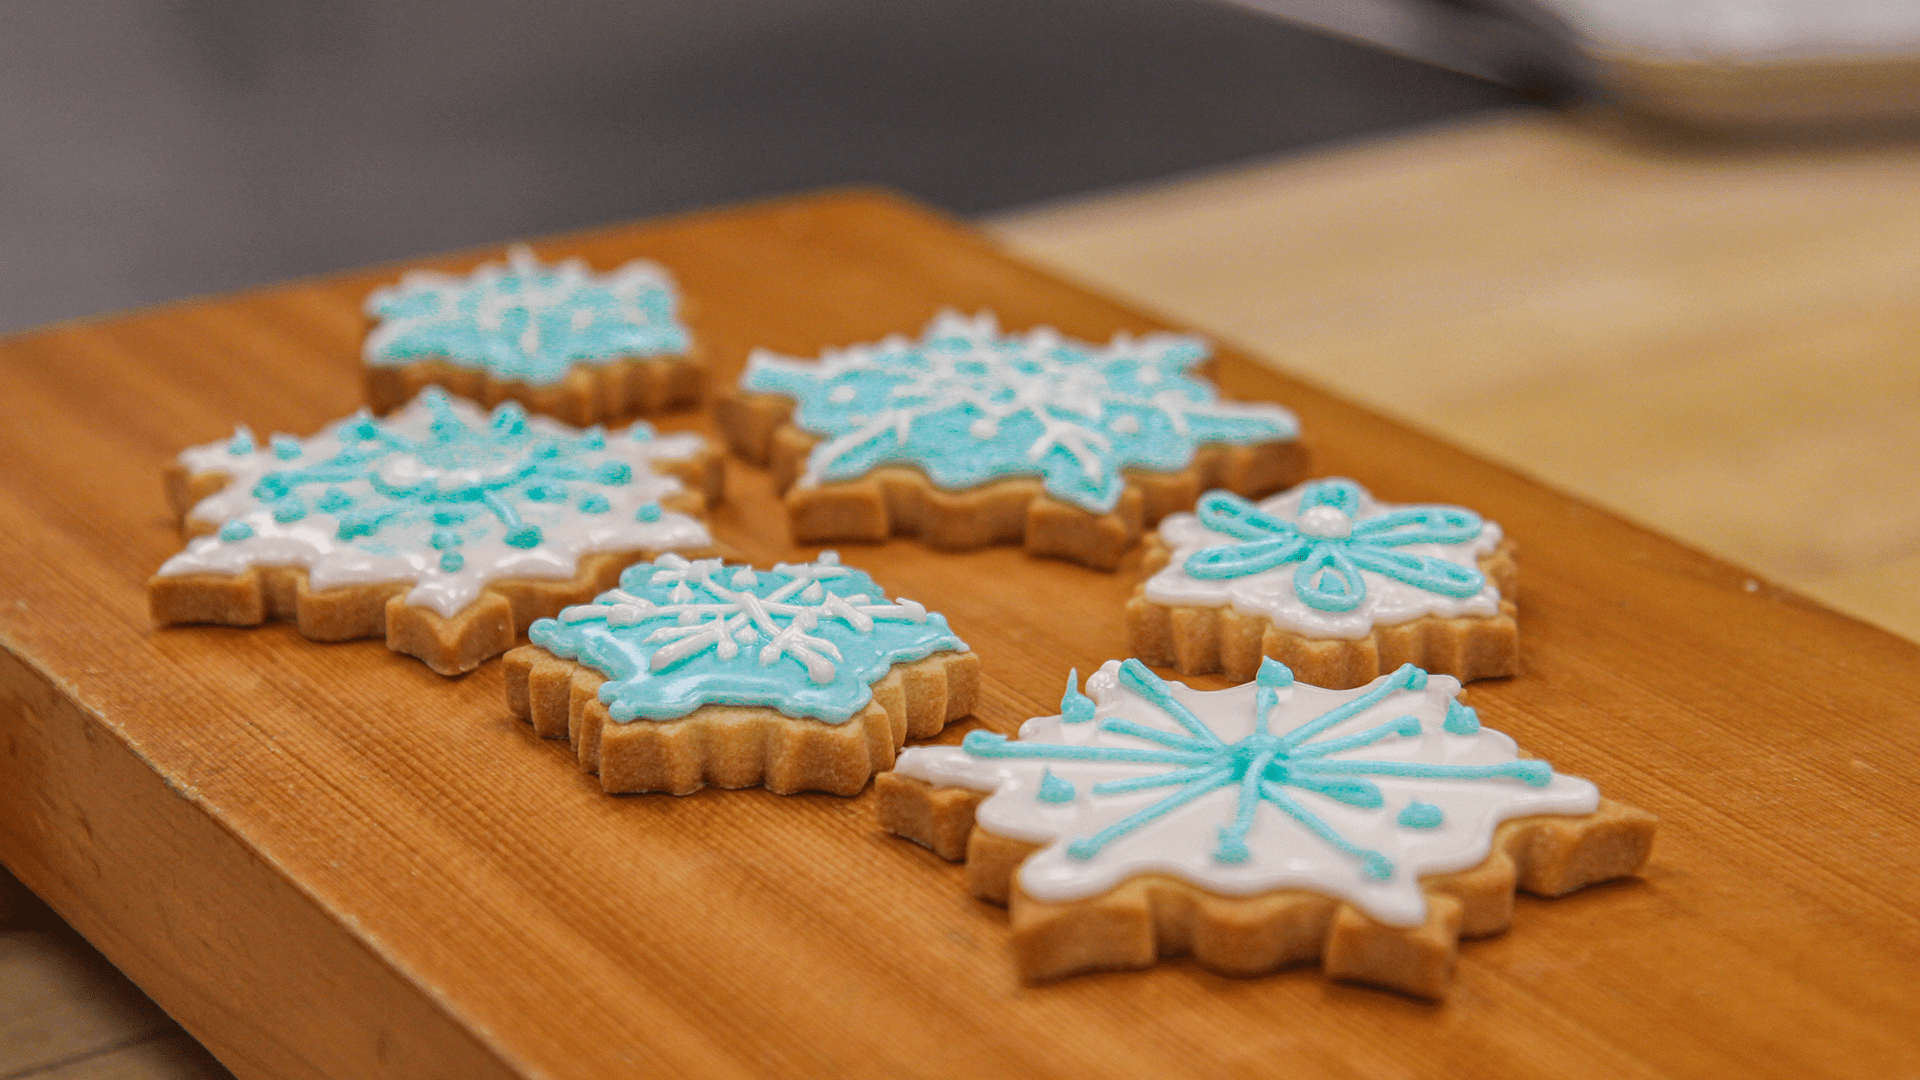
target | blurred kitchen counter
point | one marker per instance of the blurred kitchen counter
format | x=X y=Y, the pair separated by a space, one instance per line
x=1721 y=342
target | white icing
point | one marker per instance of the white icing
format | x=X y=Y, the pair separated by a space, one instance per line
x=400 y=551
x=1283 y=853
x=1270 y=594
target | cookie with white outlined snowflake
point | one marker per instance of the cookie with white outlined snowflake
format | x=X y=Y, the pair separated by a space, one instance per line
x=557 y=338
x=442 y=528
x=970 y=437
x=1258 y=827
x=804 y=677
x=1325 y=579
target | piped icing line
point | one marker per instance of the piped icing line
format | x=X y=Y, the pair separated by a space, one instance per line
x=1353 y=794
x=526 y=320
x=806 y=639
x=1326 y=560
x=968 y=404
x=440 y=494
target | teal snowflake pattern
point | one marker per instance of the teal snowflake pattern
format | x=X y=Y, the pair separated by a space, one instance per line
x=525 y=320
x=440 y=494
x=968 y=405
x=1261 y=767
x=1333 y=542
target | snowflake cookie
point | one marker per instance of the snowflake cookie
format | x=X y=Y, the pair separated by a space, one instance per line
x=1335 y=585
x=970 y=437
x=803 y=678
x=560 y=339
x=1257 y=827
x=441 y=527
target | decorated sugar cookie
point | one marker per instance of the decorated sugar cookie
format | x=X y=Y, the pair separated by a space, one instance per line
x=804 y=677
x=443 y=528
x=558 y=338
x=1324 y=578
x=1267 y=824
x=970 y=437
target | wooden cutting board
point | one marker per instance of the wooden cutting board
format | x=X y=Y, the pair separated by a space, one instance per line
x=327 y=861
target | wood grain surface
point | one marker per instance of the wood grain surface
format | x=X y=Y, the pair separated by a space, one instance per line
x=327 y=861
x=1714 y=339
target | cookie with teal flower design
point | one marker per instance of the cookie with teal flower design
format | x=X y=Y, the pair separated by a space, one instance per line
x=968 y=437
x=1328 y=580
x=443 y=528
x=805 y=677
x=1258 y=827
x=559 y=338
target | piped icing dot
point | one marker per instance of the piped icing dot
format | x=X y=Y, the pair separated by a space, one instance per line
x=1053 y=789
x=649 y=511
x=525 y=536
x=595 y=504
x=452 y=561
x=1075 y=707
x=1326 y=523
x=289 y=509
x=1421 y=815
x=234 y=531
x=285 y=447
x=242 y=442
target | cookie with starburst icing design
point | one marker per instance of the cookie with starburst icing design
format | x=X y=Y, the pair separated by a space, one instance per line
x=804 y=677
x=443 y=528
x=560 y=339
x=970 y=437
x=1338 y=586
x=1258 y=827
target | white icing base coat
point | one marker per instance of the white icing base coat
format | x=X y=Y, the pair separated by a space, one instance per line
x=1284 y=853
x=402 y=553
x=1270 y=594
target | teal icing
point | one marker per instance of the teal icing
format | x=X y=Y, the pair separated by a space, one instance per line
x=1053 y=789
x=242 y=442
x=1461 y=720
x=235 y=530
x=452 y=561
x=1421 y=815
x=470 y=482
x=595 y=504
x=649 y=511
x=969 y=405
x=526 y=320
x=808 y=640
x=1333 y=548
x=1262 y=766
x=1075 y=707
x=285 y=447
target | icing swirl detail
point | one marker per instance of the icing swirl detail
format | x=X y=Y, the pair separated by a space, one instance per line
x=968 y=404
x=1351 y=793
x=526 y=320
x=440 y=494
x=808 y=639
x=1326 y=560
